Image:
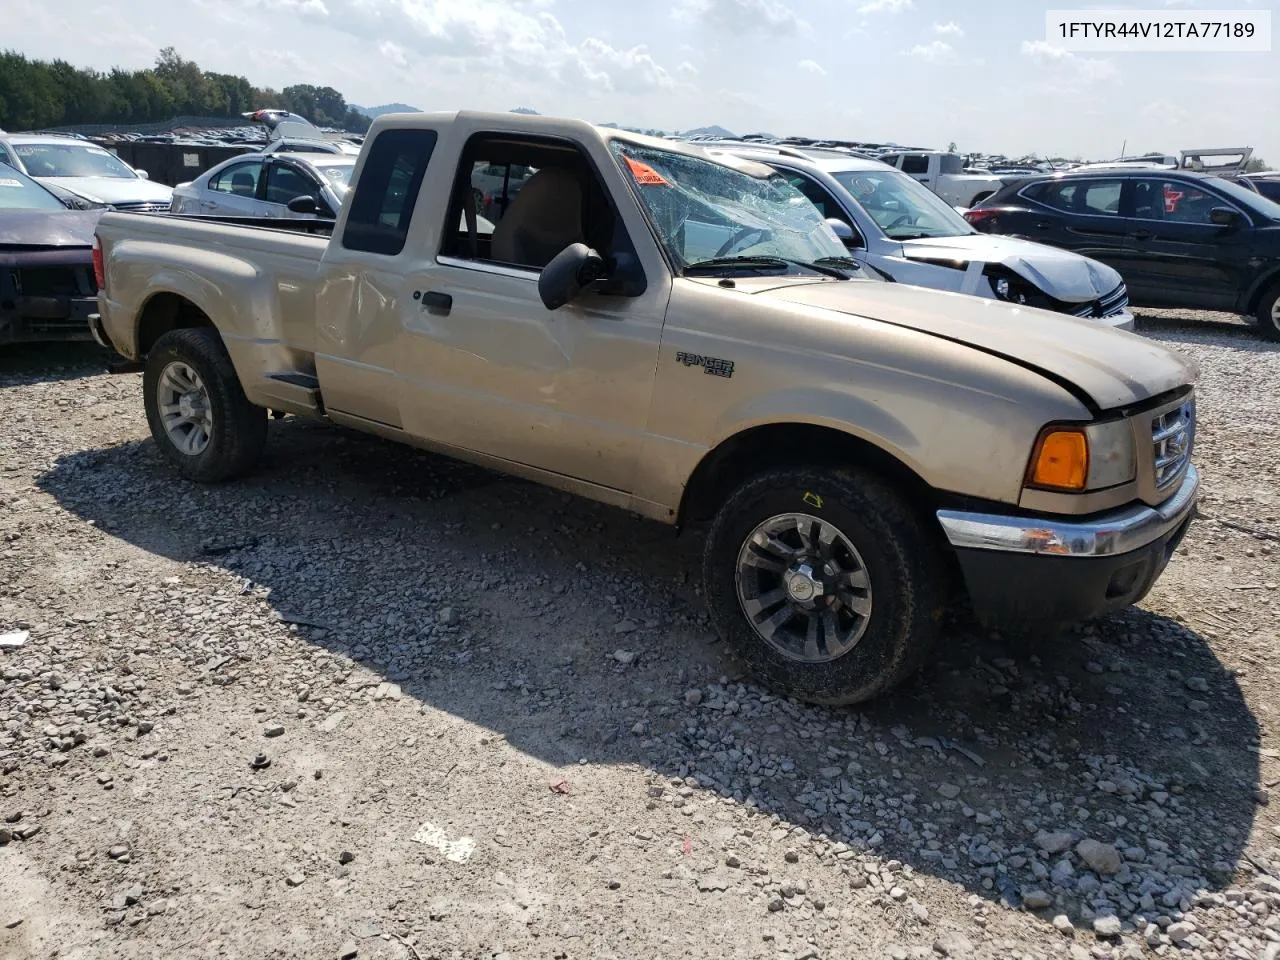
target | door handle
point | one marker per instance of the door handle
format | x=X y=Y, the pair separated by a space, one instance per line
x=208 y=204
x=434 y=300
x=1042 y=224
x=1141 y=235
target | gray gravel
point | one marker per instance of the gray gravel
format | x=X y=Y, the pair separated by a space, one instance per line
x=372 y=700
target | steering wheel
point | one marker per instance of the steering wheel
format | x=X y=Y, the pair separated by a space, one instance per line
x=903 y=220
x=741 y=235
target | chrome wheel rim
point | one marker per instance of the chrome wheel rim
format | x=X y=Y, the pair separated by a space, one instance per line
x=1275 y=313
x=804 y=588
x=185 y=410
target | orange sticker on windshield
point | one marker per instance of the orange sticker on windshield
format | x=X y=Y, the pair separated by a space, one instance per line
x=645 y=175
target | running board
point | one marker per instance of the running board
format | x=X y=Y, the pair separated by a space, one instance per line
x=293 y=393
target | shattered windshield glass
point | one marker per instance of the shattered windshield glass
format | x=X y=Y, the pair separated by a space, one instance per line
x=704 y=211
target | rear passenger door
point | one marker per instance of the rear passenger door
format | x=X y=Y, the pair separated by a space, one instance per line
x=1080 y=214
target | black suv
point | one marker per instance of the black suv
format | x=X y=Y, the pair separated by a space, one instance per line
x=1179 y=239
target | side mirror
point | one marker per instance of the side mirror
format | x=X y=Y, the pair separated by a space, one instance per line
x=844 y=233
x=303 y=204
x=142 y=174
x=1225 y=217
x=573 y=268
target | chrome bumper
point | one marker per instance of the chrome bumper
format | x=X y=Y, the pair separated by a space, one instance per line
x=98 y=331
x=1123 y=531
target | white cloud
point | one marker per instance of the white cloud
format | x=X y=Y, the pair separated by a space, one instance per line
x=949 y=29
x=393 y=53
x=935 y=51
x=633 y=69
x=812 y=66
x=885 y=6
x=688 y=69
x=742 y=16
x=1086 y=69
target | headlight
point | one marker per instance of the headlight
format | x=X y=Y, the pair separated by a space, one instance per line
x=1076 y=459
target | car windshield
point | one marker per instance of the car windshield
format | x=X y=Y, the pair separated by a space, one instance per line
x=22 y=193
x=1254 y=202
x=703 y=211
x=337 y=174
x=71 y=160
x=900 y=206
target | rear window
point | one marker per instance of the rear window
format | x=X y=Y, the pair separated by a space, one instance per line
x=915 y=163
x=387 y=191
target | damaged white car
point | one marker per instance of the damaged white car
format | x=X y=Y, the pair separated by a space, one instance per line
x=899 y=229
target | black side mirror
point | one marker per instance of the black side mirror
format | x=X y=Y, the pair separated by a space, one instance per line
x=303 y=204
x=1225 y=217
x=573 y=268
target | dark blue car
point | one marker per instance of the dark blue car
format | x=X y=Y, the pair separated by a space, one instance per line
x=1179 y=239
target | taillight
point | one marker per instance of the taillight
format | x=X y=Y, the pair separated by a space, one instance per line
x=977 y=215
x=99 y=273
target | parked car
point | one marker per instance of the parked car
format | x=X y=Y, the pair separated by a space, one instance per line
x=300 y=145
x=896 y=226
x=943 y=173
x=682 y=335
x=1179 y=239
x=70 y=165
x=47 y=288
x=262 y=185
x=1267 y=184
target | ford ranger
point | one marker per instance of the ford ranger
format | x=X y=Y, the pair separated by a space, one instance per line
x=682 y=336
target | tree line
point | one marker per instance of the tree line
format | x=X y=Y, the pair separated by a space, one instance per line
x=36 y=94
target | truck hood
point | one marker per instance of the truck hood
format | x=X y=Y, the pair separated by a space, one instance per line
x=1061 y=274
x=1113 y=368
x=47 y=228
x=114 y=189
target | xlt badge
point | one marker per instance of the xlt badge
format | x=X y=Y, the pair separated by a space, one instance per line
x=712 y=365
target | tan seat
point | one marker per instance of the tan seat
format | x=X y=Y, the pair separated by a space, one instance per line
x=543 y=219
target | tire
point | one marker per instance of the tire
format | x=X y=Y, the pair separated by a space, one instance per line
x=1268 y=313
x=900 y=560
x=235 y=430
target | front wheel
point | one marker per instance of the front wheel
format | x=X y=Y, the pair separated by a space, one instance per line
x=1268 y=315
x=197 y=410
x=825 y=583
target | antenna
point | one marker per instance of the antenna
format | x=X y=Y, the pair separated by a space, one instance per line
x=1123 y=146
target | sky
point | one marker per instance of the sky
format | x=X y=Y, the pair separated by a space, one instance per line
x=979 y=73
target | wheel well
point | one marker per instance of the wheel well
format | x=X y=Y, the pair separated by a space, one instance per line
x=165 y=312
x=760 y=448
x=982 y=195
x=1265 y=286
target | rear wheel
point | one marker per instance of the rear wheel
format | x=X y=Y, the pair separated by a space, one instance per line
x=981 y=196
x=824 y=582
x=1268 y=314
x=197 y=410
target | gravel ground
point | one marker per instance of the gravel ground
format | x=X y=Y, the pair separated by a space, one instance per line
x=375 y=704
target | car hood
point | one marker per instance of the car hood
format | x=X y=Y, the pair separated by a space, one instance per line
x=47 y=228
x=114 y=189
x=1114 y=368
x=1061 y=274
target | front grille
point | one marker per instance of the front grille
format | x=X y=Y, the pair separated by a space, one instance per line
x=143 y=206
x=54 y=282
x=1108 y=306
x=1172 y=436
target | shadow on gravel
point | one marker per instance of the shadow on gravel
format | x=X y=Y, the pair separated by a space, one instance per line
x=1192 y=328
x=44 y=362
x=520 y=609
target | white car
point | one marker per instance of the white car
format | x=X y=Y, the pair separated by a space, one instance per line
x=904 y=232
x=81 y=168
x=261 y=185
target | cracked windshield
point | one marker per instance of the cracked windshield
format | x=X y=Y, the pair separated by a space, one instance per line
x=705 y=211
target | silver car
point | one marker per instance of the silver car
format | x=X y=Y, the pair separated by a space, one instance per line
x=904 y=232
x=81 y=170
x=262 y=185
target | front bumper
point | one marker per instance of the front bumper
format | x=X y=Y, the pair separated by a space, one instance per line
x=1120 y=321
x=46 y=295
x=1022 y=570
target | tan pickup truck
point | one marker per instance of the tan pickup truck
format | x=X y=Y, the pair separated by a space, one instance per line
x=683 y=337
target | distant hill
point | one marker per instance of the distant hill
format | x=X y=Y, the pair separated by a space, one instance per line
x=711 y=131
x=374 y=112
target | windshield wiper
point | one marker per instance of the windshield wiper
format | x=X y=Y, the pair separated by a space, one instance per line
x=839 y=264
x=827 y=266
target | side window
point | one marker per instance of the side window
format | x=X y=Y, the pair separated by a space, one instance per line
x=1269 y=189
x=915 y=163
x=1102 y=197
x=240 y=179
x=1089 y=197
x=1175 y=201
x=530 y=199
x=1059 y=195
x=387 y=191
x=285 y=181
x=892 y=159
x=819 y=197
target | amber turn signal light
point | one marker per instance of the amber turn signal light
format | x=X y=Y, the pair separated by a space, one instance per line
x=1061 y=461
